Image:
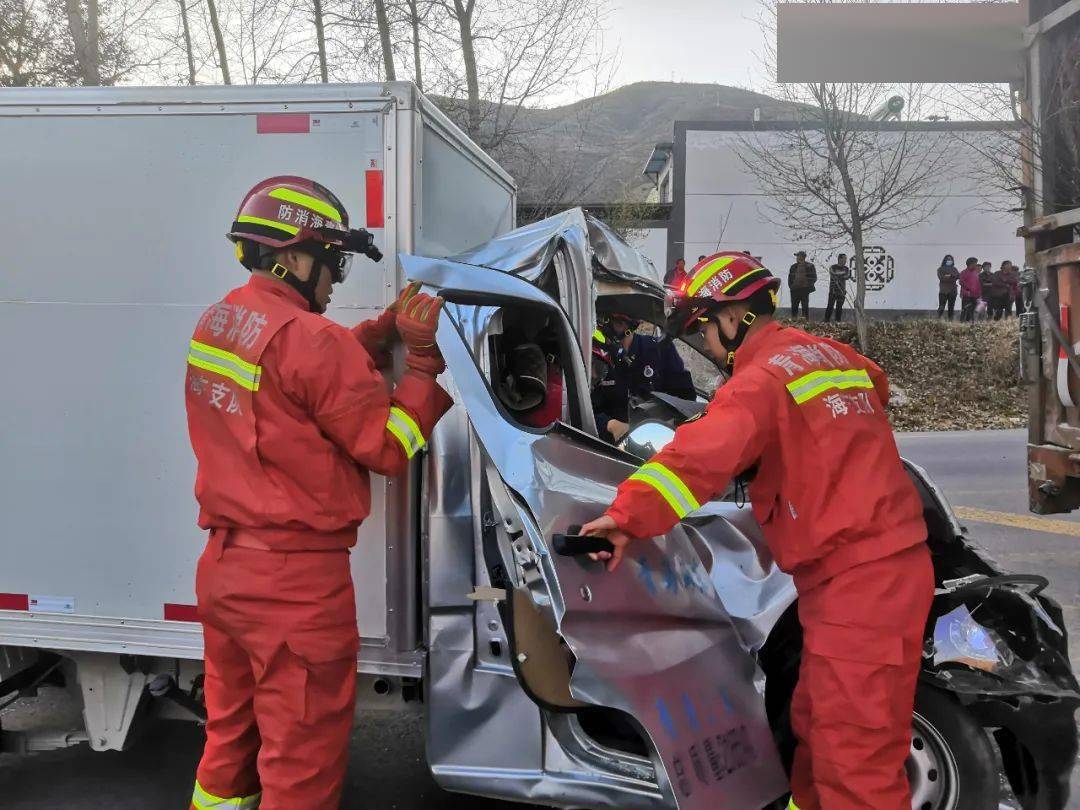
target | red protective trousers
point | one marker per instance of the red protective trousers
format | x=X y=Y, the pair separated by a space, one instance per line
x=281 y=644
x=851 y=713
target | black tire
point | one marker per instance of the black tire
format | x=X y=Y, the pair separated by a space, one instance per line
x=952 y=764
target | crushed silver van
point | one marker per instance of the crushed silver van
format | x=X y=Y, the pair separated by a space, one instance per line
x=543 y=679
x=667 y=683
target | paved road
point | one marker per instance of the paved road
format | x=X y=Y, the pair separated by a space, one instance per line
x=387 y=771
x=979 y=471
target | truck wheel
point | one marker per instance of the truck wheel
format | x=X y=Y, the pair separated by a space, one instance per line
x=952 y=764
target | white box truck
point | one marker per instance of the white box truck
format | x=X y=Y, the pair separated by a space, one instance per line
x=117 y=205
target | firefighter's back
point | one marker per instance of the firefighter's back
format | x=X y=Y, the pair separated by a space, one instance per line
x=831 y=489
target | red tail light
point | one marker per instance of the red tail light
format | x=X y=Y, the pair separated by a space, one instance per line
x=373 y=182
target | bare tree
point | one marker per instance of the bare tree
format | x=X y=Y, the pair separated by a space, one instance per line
x=267 y=42
x=995 y=159
x=27 y=36
x=385 y=39
x=188 y=51
x=84 y=26
x=104 y=41
x=512 y=55
x=320 y=40
x=219 y=41
x=1002 y=160
x=416 y=17
x=353 y=45
x=401 y=26
x=461 y=12
x=837 y=175
x=188 y=36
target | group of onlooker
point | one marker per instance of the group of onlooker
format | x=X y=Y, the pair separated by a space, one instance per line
x=984 y=292
x=802 y=280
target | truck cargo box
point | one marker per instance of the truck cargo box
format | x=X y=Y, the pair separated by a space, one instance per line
x=114 y=233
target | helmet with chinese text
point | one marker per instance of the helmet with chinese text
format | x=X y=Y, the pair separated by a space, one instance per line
x=284 y=211
x=723 y=278
x=294 y=212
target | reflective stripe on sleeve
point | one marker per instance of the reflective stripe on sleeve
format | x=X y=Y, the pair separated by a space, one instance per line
x=670 y=486
x=792 y=805
x=208 y=801
x=227 y=364
x=816 y=383
x=405 y=430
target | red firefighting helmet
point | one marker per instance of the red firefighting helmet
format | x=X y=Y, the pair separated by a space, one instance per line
x=285 y=211
x=723 y=278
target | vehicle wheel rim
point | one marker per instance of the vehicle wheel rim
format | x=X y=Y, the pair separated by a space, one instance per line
x=931 y=768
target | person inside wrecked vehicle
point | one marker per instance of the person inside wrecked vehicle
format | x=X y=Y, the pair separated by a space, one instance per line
x=804 y=418
x=641 y=364
x=288 y=415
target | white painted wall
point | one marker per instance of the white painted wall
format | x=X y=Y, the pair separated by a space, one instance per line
x=653 y=243
x=719 y=189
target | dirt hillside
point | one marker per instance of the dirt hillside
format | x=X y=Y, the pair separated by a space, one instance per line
x=945 y=376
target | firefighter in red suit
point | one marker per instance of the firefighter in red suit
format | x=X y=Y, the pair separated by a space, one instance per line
x=805 y=417
x=288 y=416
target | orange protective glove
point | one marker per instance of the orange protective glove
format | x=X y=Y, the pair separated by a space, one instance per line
x=416 y=323
x=410 y=291
x=378 y=336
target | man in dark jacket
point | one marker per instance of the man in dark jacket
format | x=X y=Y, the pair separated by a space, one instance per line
x=947 y=275
x=1000 y=288
x=640 y=364
x=986 y=280
x=839 y=276
x=674 y=277
x=802 y=278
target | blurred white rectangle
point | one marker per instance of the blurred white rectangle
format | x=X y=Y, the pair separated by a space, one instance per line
x=900 y=42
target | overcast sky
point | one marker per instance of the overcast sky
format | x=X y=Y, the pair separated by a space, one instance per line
x=686 y=41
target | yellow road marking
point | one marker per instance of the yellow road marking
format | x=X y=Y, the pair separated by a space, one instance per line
x=1029 y=522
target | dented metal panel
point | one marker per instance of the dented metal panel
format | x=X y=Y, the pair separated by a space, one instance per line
x=652 y=639
x=588 y=257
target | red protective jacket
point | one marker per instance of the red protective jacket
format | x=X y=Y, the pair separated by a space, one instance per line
x=829 y=491
x=288 y=414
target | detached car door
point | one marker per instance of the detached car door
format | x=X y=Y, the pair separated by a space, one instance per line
x=650 y=643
